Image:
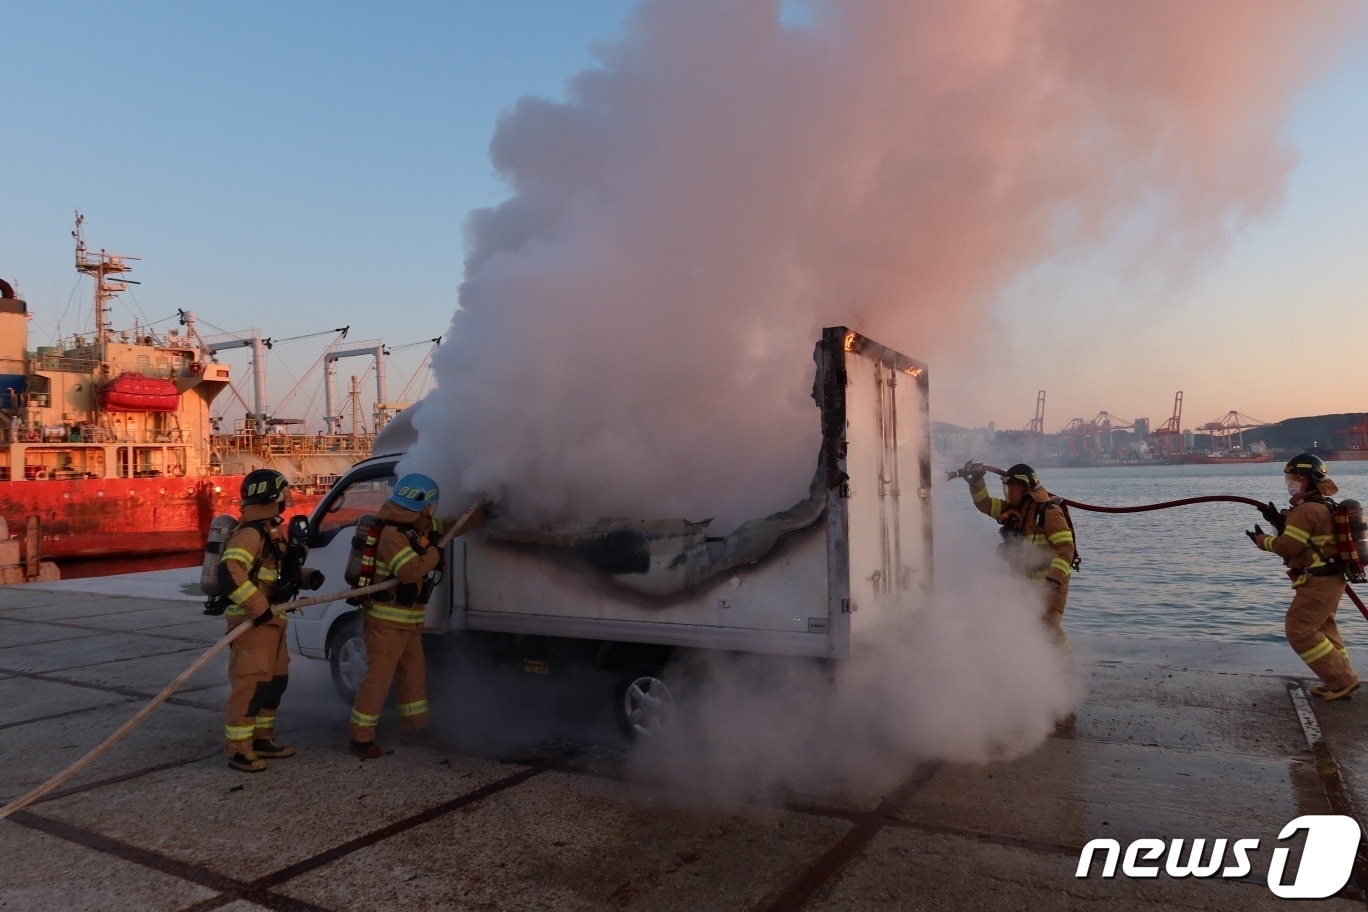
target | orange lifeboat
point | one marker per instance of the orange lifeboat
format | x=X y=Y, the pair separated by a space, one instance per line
x=132 y=392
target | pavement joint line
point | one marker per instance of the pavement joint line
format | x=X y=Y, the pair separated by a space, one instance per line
x=48 y=718
x=105 y=688
x=197 y=648
x=399 y=826
x=867 y=825
x=123 y=777
x=1331 y=779
x=155 y=633
x=195 y=874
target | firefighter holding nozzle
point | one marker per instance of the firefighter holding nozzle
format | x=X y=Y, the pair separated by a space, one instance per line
x=1306 y=541
x=260 y=567
x=392 y=621
x=1037 y=535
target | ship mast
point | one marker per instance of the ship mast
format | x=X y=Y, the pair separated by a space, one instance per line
x=104 y=268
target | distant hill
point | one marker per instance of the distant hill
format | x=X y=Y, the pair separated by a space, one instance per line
x=1316 y=432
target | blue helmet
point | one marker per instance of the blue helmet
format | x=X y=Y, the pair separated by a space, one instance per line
x=414 y=492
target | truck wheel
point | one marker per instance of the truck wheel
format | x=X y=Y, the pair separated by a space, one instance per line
x=347 y=658
x=642 y=702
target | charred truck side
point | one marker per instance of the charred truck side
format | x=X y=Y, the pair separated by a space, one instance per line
x=631 y=596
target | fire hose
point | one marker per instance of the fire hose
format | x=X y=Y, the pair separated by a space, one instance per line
x=1164 y=505
x=459 y=527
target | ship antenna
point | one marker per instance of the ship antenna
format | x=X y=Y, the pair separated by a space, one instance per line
x=104 y=268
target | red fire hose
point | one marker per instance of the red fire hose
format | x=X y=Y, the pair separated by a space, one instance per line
x=1164 y=505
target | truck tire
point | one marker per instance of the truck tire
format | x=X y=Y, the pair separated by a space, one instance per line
x=347 y=658
x=642 y=701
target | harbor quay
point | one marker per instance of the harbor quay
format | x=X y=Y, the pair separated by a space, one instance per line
x=539 y=803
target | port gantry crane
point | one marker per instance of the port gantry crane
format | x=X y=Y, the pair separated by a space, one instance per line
x=1029 y=442
x=1231 y=424
x=1168 y=437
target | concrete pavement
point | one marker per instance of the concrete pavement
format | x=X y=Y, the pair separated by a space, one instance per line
x=1176 y=740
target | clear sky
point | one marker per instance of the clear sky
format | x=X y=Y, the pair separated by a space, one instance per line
x=304 y=165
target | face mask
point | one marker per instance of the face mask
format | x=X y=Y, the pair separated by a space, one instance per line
x=1294 y=486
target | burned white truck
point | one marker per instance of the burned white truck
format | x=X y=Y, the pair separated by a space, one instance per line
x=632 y=596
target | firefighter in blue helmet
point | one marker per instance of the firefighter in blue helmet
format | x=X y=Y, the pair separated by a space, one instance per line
x=392 y=620
x=1305 y=540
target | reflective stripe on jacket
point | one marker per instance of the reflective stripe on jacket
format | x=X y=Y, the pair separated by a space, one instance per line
x=1049 y=548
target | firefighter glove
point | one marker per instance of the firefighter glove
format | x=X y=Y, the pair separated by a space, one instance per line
x=1274 y=516
x=972 y=472
x=1254 y=535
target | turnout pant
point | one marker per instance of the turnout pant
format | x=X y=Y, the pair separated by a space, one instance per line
x=394 y=653
x=1313 y=633
x=258 y=672
x=1055 y=598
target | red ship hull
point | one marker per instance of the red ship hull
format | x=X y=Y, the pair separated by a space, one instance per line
x=110 y=517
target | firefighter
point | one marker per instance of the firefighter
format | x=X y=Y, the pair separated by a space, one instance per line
x=1037 y=536
x=254 y=556
x=1305 y=536
x=392 y=620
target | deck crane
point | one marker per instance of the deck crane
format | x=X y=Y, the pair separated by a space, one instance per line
x=368 y=348
x=384 y=411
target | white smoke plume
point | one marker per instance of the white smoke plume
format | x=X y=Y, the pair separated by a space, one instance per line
x=636 y=322
x=637 y=319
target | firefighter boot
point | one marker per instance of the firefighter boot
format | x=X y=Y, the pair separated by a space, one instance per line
x=1325 y=693
x=266 y=747
x=366 y=750
x=248 y=763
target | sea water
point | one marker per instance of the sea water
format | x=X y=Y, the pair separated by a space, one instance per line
x=1187 y=572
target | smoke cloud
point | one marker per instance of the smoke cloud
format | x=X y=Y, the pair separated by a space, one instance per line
x=636 y=321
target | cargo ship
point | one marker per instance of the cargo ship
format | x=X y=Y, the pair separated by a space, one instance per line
x=109 y=438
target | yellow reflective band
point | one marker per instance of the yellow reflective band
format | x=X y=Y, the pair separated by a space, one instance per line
x=1037 y=538
x=1064 y=536
x=361 y=720
x=238 y=732
x=242 y=593
x=1061 y=565
x=396 y=613
x=402 y=558
x=416 y=708
x=1267 y=543
x=241 y=555
x=1300 y=536
x=267 y=575
x=265 y=722
x=995 y=508
x=979 y=493
x=1318 y=652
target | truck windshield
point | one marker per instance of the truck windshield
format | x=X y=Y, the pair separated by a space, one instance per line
x=345 y=505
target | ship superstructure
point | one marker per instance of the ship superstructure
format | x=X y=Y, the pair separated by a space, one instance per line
x=109 y=438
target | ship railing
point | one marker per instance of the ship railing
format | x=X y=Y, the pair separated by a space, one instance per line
x=52 y=361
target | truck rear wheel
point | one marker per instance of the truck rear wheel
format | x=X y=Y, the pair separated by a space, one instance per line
x=642 y=701
x=347 y=658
